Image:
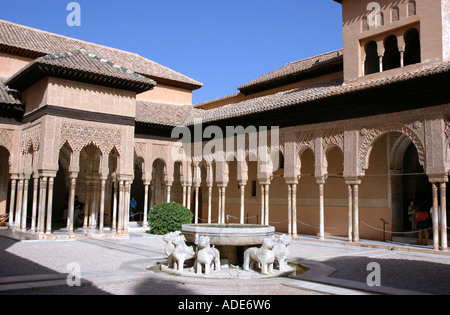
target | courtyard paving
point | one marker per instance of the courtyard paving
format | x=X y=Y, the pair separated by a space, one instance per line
x=120 y=267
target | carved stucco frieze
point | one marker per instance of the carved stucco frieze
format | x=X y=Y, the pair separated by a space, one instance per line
x=304 y=140
x=415 y=130
x=6 y=138
x=78 y=136
x=31 y=138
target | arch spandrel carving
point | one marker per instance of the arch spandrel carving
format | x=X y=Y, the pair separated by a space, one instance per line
x=414 y=131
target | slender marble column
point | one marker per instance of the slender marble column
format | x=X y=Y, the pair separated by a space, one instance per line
x=223 y=204
x=294 y=210
x=263 y=221
x=350 y=213
x=87 y=206
x=127 y=205
x=188 y=198
x=210 y=204
x=355 y=213
x=42 y=204
x=219 y=214
x=48 y=231
x=35 y=203
x=121 y=206
x=19 y=204
x=289 y=209
x=114 y=214
x=435 y=216
x=266 y=205
x=184 y=196
x=102 y=206
x=196 y=204
x=93 y=207
x=169 y=192
x=71 y=207
x=145 y=220
x=23 y=226
x=444 y=240
x=242 y=212
x=321 y=212
x=12 y=203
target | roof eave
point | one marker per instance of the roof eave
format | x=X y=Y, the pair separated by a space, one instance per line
x=36 y=71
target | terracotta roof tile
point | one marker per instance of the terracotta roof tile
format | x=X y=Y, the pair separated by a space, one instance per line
x=295 y=69
x=6 y=95
x=45 y=43
x=155 y=113
x=310 y=93
x=93 y=68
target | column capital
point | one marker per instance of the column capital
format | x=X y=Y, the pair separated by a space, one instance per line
x=291 y=180
x=438 y=178
x=352 y=181
x=321 y=179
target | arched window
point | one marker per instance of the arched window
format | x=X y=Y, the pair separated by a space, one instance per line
x=380 y=19
x=391 y=59
x=395 y=14
x=412 y=48
x=411 y=7
x=365 y=24
x=371 y=65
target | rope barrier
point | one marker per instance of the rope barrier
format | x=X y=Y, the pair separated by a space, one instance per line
x=318 y=227
x=386 y=231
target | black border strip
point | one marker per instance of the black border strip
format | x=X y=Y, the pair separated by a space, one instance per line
x=78 y=114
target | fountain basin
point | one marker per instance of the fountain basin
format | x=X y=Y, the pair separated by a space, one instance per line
x=229 y=234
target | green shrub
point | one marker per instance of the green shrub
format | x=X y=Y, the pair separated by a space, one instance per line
x=168 y=217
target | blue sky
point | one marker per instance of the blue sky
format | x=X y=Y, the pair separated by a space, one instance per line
x=222 y=43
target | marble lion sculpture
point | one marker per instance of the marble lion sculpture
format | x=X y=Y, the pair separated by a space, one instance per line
x=264 y=256
x=169 y=239
x=281 y=251
x=181 y=252
x=206 y=256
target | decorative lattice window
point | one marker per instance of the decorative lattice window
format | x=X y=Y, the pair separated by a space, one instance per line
x=365 y=24
x=395 y=14
x=412 y=8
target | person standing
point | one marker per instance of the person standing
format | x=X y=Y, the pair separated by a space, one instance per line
x=412 y=213
x=133 y=207
x=422 y=225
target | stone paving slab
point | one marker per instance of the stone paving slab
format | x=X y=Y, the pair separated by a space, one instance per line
x=338 y=268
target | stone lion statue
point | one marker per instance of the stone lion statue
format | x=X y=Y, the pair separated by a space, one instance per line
x=169 y=239
x=207 y=256
x=264 y=256
x=281 y=251
x=181 y=252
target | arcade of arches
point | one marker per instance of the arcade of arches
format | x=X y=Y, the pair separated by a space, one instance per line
x=332 y=181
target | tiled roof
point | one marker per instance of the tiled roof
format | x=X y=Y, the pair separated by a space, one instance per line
x=155 y=113
x=7 y=97
x=80 y=65
x=15 y=36
x=302 y=69
x=306 y=94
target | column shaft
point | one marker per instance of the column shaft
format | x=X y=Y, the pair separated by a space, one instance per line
x=145 y=220
x=289 y=209
x=12 y=203
x=23 y=226
x=435 y=216
x=355 y=213
x=321 y=213
x=294 y=210
x=71 y=207
x=242 y=212
x=209 y=204
x=49 y=205
x=350 y=213
x=35 y=203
